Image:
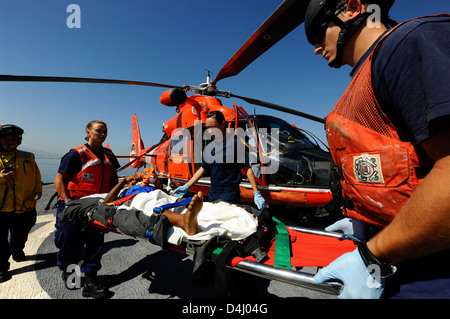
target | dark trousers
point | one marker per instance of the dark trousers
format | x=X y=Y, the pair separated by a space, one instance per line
x=77 y=241
x=17 y=226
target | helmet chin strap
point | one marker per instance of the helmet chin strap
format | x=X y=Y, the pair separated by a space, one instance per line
x=348 y=29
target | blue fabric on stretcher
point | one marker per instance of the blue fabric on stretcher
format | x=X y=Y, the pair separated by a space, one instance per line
x=137 y=189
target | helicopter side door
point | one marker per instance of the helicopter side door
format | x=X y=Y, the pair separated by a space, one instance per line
x=179 y=157
x=249 y=137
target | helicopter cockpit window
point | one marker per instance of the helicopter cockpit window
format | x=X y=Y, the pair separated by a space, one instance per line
x=285 y=133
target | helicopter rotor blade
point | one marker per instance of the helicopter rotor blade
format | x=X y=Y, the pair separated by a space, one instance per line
x=278 y=108
x=26 y=78
x=289 y=15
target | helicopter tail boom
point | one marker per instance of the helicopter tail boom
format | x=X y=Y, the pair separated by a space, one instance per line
x=137 y=146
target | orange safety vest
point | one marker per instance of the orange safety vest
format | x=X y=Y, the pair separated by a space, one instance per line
x=95 y=175
x=378 y=169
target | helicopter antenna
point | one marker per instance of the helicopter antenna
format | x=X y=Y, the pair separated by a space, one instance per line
x=208 y=76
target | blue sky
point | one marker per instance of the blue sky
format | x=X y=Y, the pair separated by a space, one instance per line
x=170 y=42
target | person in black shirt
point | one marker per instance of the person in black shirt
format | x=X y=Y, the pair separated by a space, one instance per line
x=224 y=163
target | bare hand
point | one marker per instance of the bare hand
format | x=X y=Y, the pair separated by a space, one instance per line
x=9 y=176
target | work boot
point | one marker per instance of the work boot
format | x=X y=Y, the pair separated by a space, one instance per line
x=5 y=276
x=92 y=288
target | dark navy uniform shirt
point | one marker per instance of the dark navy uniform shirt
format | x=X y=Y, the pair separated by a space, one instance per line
x=411 y=77
x=226 y=170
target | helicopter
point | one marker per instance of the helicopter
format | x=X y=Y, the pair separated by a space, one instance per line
x=291 y=168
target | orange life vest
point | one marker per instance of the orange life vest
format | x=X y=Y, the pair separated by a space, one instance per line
x=378 y=169
x=151 y=178
x=95 y=175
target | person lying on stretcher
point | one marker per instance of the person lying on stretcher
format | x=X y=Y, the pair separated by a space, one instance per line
x=187 y=221
x=136 y=218
x=131 y=222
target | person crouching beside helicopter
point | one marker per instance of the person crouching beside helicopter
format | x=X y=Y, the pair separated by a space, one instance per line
x=20 y=188
x=225 y=175
x=85 y=170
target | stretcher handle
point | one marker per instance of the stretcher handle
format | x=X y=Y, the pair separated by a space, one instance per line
x=297 y=278
x=313 y=231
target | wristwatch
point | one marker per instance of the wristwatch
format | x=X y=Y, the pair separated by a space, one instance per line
x=369 y=259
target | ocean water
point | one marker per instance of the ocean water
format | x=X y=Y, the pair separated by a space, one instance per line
x=49 y=167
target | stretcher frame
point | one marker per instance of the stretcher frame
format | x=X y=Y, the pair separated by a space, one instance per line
x=289 y=276
x=293 y=277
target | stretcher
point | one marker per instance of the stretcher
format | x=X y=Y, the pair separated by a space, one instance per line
x=275 y=251
x=307 y=247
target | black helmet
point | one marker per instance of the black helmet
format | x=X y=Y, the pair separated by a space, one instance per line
x=322 y=12
x=11 y=129
x=318 y=13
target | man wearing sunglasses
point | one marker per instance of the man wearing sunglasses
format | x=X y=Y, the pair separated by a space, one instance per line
x=388 y=135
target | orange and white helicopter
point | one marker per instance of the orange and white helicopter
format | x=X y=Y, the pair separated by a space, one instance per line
x=291 y=168
x=301 y=178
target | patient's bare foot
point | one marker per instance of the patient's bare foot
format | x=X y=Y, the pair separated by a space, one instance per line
x=190 y=217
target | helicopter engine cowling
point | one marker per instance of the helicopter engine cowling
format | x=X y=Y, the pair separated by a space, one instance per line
x=173 y=97
x=187 y=114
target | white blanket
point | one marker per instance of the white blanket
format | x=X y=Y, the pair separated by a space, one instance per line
x=214 y=218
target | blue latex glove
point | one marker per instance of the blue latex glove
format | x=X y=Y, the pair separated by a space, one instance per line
x=181 y=191
x=351 y=270
x=351 y=227
x=259 y=200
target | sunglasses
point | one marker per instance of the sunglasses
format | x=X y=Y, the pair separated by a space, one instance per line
x=322 y=25
x=321 y=30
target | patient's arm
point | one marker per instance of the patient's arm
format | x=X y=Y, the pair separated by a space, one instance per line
x=112 y=195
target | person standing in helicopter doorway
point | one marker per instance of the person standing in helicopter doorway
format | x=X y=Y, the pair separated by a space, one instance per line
x=85 y=170
x=389 y=135
x=225 y=173
x=20 y=188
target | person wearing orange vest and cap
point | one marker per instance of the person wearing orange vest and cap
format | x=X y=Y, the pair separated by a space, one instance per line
x=85 y=170
x=20 y=188
x=388 y=136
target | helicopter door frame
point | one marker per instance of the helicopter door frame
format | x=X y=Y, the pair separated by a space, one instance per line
x=239 y=111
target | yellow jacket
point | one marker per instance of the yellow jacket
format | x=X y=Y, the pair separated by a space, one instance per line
x=19 y=194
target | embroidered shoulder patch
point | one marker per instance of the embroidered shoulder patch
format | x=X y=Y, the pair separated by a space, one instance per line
x=368 y=168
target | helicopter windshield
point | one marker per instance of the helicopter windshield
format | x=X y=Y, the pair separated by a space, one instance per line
x=286 y=133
